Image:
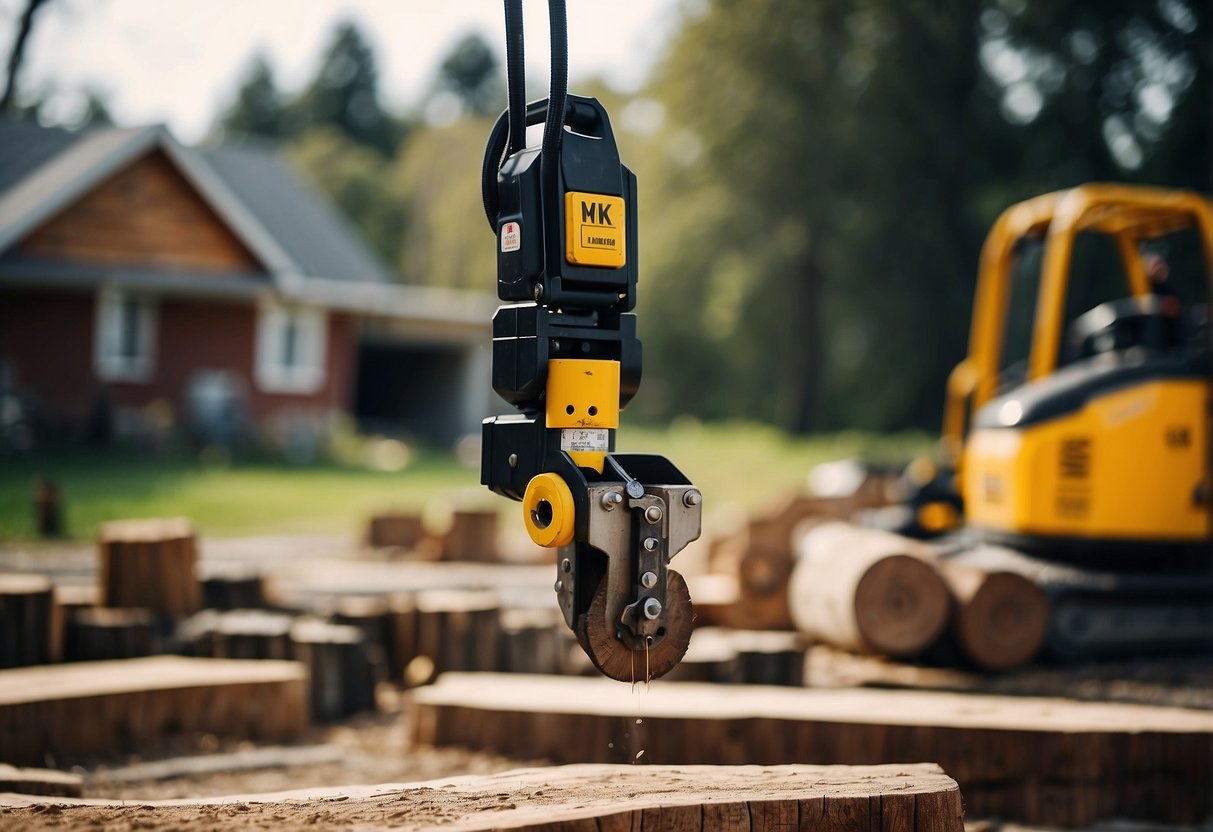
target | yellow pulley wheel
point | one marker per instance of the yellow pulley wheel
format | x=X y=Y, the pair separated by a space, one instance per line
x=548 y=512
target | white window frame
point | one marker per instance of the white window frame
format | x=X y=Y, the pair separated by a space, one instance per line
x=112 y=330
x=275 y=370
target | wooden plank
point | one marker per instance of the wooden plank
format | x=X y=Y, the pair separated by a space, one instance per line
x=40 y=781
x=584 y=798
x=1053 y=754
x=73 y=710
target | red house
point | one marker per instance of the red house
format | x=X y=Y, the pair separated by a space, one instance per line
x=144 y=282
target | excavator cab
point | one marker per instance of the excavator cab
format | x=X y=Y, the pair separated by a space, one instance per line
x=1097 y=451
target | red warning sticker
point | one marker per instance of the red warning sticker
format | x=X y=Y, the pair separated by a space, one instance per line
x=511 y=237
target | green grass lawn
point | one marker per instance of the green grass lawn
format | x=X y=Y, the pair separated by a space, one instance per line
x=733 y=464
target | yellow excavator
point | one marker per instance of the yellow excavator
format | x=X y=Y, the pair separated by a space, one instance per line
x=1088 y=464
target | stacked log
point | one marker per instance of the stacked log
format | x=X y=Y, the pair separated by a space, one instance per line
x=762 y=553
x=150 y=564
x=1040 y=761
x=999 y=619
x=27 y=620
x=867 y=591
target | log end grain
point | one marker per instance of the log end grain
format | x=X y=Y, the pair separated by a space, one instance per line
x=1003 y=623
x=901 y=606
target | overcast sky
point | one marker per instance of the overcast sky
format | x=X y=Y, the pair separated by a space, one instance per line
x=178 y=61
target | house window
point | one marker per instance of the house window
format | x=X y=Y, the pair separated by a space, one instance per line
x=290 y=349
x=125 y=334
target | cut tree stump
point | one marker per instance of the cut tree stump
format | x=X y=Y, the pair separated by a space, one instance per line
x=104 y=633
x=1035 y=760
x=903 y=798
x=396 y=530
x=458 y=629
x=471 y=537
x=28 y=620
x=234 y=591
x=73 y=711
x=150 y=564
x=343 y=673
x=868 y=591
x=533 y=641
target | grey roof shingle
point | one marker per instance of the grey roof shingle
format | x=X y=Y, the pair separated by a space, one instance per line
x=24 y=147
x=319 y=239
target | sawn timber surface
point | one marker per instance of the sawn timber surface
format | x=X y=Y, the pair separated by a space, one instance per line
x=1036 y=760
x=902 y=798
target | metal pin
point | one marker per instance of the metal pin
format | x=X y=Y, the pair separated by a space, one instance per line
x=652 y=514
x=566 y=565
x=611 y=499
x=652 y=608
x=538 y=293
x=691 y=499
x=651 y=544
x=559 y=585
x=648 y=580
x=513 y=460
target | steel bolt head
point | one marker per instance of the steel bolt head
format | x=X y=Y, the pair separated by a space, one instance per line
x=611 y=499
x=538 y=291
x=512 y=460
x=652 y=608
x=648 y=580
x=566 y=565
x=559 y=585
x=692 y=499
x=652 y=514
x=651 y=544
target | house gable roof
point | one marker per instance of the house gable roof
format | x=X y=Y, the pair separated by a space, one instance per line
x=290 y=229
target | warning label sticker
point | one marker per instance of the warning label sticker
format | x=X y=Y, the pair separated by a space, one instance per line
x=511 y=237
x=594 y=229
x=585 y=439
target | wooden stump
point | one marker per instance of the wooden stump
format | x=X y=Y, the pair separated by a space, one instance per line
x=903 y=798
x=343 y=675
x=234 y=592
x=1035 y=760
x=27 y=620
x=471 y=537
x=868 y=591
x=150 y=564
x=72 y=711
x=102 y=633
x=534 y=641
x=999 y=619
x=458 y=630
x=395 y=529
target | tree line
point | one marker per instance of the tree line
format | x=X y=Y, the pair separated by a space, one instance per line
x=816 y=178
